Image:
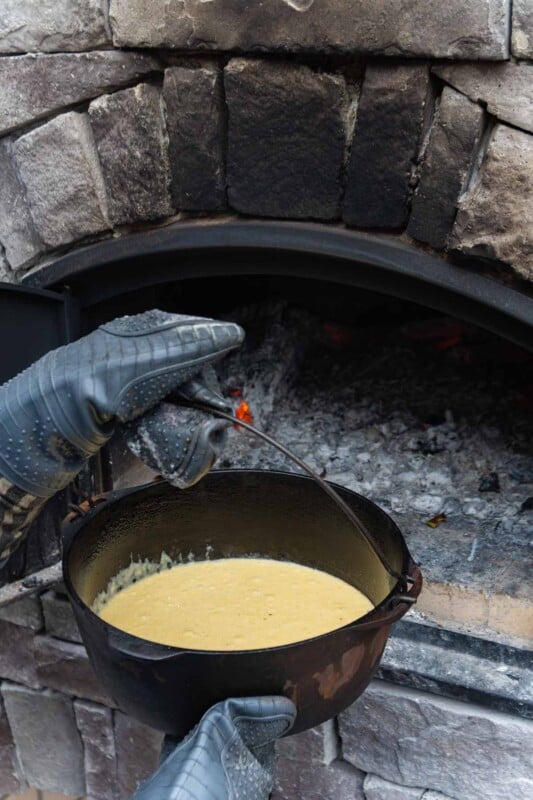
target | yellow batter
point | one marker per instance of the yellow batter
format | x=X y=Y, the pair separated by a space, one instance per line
x=235 y=604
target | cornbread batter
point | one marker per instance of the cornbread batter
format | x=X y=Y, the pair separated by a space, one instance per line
x=234 y=604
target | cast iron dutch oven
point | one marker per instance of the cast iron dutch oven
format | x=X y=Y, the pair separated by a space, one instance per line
x=237 y=513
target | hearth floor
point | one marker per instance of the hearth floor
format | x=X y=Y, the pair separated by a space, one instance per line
x=422 y=417
x=427 y=417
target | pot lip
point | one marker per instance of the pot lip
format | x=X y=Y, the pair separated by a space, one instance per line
x=379 y=616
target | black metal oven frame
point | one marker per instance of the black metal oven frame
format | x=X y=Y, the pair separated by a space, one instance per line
x=236 y=247
x=64 y=299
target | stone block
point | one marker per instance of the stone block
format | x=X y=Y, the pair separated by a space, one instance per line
x=385 y=144
x=305 y=780
x=522 y=36
x=59 y=618
x=34 y=86
x=505 y=89
x=195 y=114
x=138 y=748
x=95 y=724
x=11 y=779
x=459 y=29
x=495 y=217
x=431 y=795
x=460 y=749
x=18 y=234
x=132 y=144
x=286 y=139
x=65 y=666
x=25 y=612
x=454 y=135
x=47 y=739
x=52 y=25
x=17 y=654
x=318 y=744
x=435 y=659
x=377 y=788
x=59 y=167
x=308 y=766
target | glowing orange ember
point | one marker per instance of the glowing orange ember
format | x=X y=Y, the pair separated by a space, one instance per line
x=243 y=413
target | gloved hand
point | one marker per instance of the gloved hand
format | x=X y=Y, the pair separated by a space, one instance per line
x=62 y=409
x=228 y=756
x=181 y=443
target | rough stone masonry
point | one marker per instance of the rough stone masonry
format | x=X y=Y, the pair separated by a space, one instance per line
x=415 y=119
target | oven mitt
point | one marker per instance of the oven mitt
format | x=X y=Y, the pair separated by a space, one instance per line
x=62 y=409
x=228 y=756
x=182 y=443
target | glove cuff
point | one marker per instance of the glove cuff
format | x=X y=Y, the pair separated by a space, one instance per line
x=18 y=509
x=37 y=452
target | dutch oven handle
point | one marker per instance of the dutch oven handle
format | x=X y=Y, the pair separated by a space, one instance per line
x=399 y=603
x=78 y=510
x=132 y=647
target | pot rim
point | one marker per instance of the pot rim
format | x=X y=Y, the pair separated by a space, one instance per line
x=385 y=613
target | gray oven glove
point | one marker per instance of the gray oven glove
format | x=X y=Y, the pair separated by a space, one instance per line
x=181 y=443
x=228 y=756
x=62 y=409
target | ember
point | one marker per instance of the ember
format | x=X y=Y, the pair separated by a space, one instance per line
x=443 y=333
x=404 y=423
x=243 y=413
x=339 y=335
x=436 y=521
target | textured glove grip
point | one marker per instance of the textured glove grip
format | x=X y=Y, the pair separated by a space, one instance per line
x=61 y=410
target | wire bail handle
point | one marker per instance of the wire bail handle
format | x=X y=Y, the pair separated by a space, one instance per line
x=326 y=487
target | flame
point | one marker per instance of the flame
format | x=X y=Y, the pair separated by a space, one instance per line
x=243 y=413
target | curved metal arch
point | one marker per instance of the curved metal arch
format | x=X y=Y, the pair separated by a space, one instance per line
x=199 y=249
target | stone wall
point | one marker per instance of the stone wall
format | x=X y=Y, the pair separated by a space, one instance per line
x=60 y=733
x=416 y=121
x=58 y=730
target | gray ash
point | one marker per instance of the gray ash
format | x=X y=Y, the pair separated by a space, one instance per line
x=424 y=418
